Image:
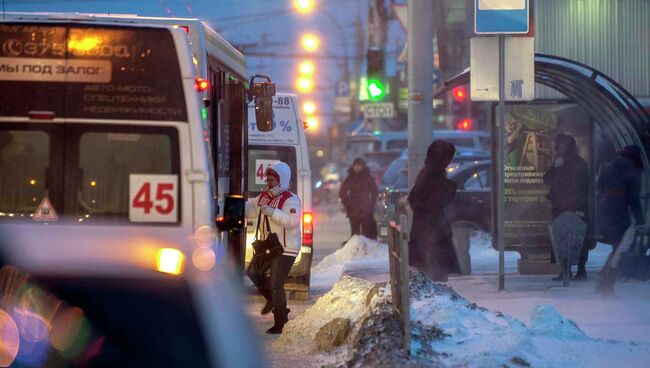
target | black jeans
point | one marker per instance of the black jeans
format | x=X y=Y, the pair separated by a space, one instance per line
x=365 y=226
x=272 y=286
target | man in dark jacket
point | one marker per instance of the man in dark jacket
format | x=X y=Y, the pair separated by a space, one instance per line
x=568 y=182
x=619 y=184
x=359 y=195
x=431 y=249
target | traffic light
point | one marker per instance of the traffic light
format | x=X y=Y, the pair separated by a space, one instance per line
x=376 y=86
x=461 y=108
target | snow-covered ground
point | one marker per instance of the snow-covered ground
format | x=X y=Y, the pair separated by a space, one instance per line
x=465 y=322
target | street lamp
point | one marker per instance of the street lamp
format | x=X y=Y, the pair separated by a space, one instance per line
x=303 y=6
x=309 y=42
x=309 y=107
x=306 y=68
x=304 y=84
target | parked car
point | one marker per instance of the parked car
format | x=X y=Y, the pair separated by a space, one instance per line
x=471 y=207
x=469 y=144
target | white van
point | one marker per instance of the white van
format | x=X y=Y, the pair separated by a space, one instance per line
x=286 y=143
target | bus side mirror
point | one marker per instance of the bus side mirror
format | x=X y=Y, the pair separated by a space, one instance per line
x=233 y=214
x=262 y=93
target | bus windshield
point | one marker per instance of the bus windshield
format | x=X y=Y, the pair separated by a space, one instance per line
x=260 y=158
x=86 y=176
x=90 y=71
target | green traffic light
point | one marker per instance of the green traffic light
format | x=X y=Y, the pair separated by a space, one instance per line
x=375 y=89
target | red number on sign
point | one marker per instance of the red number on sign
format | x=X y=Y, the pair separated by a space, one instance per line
x=166 y=197
x=260 y=171
x=143 y=198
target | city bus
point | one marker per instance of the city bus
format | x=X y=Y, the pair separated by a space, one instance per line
x=124 y=130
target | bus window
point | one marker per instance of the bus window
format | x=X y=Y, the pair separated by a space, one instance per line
x=26 y=155
x=261 y=157
x=106 y=72
x=99 y=160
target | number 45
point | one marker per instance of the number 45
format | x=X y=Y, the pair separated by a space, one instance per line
x=164 y=195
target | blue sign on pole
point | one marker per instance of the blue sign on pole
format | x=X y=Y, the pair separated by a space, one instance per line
x=501 y=16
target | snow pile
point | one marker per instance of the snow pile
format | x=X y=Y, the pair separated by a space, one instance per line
x=546 y=321
x=475 y=335
x=350 y=298
x=447 y=330
x=359 y=251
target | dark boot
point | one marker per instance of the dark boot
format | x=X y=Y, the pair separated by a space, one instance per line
x=581 y=274
x=268 y=307
x=560 y=277
x=279 y=320
x=606 y=282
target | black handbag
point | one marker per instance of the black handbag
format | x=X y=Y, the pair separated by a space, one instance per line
x=267 y=249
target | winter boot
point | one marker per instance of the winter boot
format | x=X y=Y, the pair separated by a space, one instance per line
x=581 y=275
x=560 y=276
x=606 y=282
x=279 y=320
x=268 y=307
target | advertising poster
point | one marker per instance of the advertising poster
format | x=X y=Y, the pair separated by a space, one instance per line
x=529 y=153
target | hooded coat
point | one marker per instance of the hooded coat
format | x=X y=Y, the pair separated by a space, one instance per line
x=285 y=220
x=618 y=187
x=358 y=192
x=431 y=249
x=568 y=184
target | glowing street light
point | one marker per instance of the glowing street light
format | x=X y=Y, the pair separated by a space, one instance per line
x=311 y=123
x=306 y=68
x=304 y=84
x=309 y=107
x=303 y=6
x=309 y=42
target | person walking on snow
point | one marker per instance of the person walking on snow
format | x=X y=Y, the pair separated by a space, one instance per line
x=281 y=210
x=431 y=249
x=618 y=185
x=568 y=190
x=359 y=195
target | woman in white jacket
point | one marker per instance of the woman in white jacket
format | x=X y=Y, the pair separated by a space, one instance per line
x=281 y=210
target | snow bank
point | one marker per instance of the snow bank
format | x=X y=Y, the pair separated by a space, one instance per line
x=359 y=251
x=350 y=298
x=447 y=330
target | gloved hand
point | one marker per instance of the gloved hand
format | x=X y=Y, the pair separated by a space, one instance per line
x=267 y=210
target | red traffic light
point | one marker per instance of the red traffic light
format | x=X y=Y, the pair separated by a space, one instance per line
x=459 y=94
x=465 y=124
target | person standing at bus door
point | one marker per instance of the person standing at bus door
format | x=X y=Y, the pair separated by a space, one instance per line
x=568 y=190
x=282 y=209
x=359 y=195
x=431 y=249
x=618 y=188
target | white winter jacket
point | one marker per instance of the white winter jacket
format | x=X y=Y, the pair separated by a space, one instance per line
x=285 y=220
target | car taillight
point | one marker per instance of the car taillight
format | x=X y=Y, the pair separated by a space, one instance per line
x=307 y=229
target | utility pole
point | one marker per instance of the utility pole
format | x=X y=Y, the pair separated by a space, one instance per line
x=420 y=83
x=356 y=73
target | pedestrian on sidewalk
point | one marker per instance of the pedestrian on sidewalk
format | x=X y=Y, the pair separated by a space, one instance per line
x=568 y=190
x=431 y=249
x=280 y=209
x=618 y=185
x=359 y=194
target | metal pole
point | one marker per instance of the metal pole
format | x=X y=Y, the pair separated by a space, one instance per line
x=501 y=162
x=420 y=83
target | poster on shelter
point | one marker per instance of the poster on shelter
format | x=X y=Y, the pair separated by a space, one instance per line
x=530 y=131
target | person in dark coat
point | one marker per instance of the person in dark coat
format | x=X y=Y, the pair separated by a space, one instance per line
x=431 y=249
x=618 y=185
x=359 y=195
x=568 y=190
